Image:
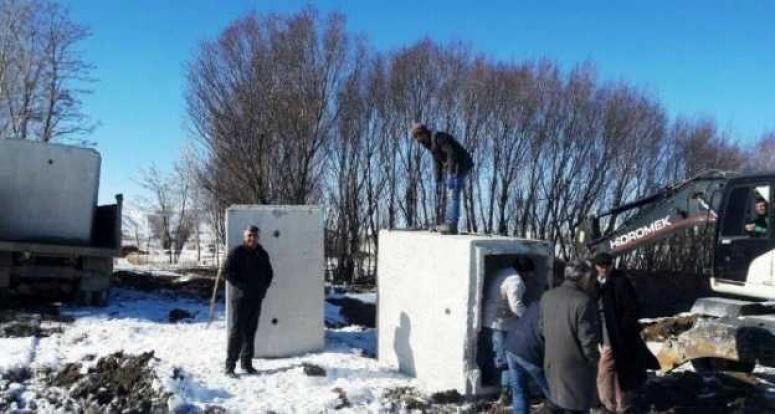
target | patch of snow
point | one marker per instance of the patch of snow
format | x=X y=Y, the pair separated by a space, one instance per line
x=367 y=297
x=191 y=358
x=15 y=352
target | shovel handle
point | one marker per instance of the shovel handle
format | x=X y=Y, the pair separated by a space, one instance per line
x=215 y=292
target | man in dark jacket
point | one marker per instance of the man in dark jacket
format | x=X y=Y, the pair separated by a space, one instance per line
x=757 y=226
x=451 y=159
x=249 y=273
x=525 y=357
x=624 y=357
x=571 y=329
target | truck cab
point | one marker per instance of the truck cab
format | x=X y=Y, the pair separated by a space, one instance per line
x=744 y=254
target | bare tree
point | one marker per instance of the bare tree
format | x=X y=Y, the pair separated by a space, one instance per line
x=172 y=219
x=762 y=156
x=291 y=109
x=43 y=75
x=262 y=104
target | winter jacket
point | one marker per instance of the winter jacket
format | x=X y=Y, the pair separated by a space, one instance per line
x=248 y=271
x=449 y=157
x=503 y=300
x=571 y=329
x=524 y=338
x=620 y=311
x=760 y=225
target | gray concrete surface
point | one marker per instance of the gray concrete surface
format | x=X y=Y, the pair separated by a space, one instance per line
x=429 y=301
x=291 y=320
x=48 y=192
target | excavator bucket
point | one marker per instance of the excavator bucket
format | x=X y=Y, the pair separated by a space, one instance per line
x=721 y=340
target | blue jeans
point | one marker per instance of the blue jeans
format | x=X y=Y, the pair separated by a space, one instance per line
x=454 y=184
x=499 y=356
x=519 y=370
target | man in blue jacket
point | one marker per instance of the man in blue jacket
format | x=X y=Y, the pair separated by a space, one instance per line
x=249 y=273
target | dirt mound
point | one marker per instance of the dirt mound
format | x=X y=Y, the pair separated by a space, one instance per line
x=200 y=287
x=409 y=399
x=688 y=392
x=23 y=329
x=667 y=328
x=176 y=315
x=117 y=383
x=14 y=324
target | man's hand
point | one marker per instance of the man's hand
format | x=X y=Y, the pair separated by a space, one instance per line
x=605 y=350
x=749 y=227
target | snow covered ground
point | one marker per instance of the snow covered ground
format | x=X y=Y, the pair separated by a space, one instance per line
x=137 y=322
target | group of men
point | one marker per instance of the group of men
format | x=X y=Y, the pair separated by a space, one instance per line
x=580 y=343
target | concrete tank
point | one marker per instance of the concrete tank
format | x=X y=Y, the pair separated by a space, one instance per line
x=48 y=192
x=429 y=297
x=291 y=321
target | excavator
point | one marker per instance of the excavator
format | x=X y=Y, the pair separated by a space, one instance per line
x=737 y=329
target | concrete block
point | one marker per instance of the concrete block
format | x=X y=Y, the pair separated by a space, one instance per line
x=429 y=297
x=49 y=191
x=291 y=320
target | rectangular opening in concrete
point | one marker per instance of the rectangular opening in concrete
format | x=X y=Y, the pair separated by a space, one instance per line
x=430 y=302
x=537 y=278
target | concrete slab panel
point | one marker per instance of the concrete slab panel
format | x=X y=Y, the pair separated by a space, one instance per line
x=291 y=320
x=48 y=191
x=429 y=301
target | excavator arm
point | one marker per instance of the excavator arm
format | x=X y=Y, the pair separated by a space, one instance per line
x=658 y=215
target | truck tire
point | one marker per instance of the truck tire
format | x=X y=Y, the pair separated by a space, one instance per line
x=708 y=365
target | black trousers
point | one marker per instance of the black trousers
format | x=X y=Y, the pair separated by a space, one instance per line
x=243 y=323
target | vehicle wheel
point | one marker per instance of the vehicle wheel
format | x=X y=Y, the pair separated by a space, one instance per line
x=708 y=365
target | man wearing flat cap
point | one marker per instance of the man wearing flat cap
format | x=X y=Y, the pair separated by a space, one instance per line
x=249 y=274
x=624 y=357
x=452 y=163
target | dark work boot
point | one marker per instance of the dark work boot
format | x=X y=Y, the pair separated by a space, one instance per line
x=248 y=367
x=228 y=370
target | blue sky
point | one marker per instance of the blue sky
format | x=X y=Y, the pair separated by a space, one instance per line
x=700 y=58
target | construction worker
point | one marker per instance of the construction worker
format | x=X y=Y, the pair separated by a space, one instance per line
x=525 y=356
x=451 y=163
x=503 y=305
x=249 y=273
x=624 y=357
x=757 y=226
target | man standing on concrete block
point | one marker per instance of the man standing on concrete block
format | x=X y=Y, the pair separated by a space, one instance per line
x=571 y=329
x=249 y=273
x=452 y=163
